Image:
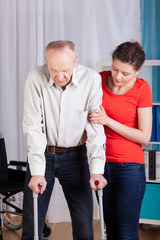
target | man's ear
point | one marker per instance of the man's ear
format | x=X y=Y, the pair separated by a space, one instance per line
x=77 y=59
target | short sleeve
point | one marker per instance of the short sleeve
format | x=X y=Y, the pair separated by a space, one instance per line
x=145 y=96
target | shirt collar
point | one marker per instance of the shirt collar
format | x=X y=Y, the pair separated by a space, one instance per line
x=74 y=76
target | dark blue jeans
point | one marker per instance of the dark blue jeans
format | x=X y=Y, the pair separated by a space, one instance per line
x=122 y=199
x=73 y=173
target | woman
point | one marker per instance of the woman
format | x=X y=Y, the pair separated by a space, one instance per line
x=127 y=118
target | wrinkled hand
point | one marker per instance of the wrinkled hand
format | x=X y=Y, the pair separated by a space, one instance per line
x=101 y=180
x=33 y=184
x=98 y=116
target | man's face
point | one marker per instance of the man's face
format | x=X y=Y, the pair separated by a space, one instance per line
x=61 y=63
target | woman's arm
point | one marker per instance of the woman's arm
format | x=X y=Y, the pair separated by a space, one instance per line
x=139 y=135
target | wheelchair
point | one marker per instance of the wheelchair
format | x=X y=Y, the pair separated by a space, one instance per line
x=12 y=178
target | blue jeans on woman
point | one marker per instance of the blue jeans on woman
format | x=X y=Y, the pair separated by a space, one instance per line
x=122 y=199
x=72 y=170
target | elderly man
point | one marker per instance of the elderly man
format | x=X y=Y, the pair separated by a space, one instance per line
x=58 y=96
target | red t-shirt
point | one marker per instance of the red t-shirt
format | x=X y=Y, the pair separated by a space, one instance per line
x=123 y=108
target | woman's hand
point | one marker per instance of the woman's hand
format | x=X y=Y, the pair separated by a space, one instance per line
x=98 y=116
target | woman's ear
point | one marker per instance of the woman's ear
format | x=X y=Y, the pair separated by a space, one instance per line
x=137 y=72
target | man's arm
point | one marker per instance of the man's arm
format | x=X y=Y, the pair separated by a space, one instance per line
x=33 y=127
x=96 y=139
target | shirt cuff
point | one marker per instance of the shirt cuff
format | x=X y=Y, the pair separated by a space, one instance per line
x=37 y=170
x=97 y=168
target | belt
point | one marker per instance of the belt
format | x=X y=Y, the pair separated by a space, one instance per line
x=54 y=149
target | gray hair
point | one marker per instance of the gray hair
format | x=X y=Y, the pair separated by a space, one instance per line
x=61 y=44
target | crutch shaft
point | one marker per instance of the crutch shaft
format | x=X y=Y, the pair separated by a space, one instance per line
x=100 y=195
x=35 y=209
x=35 y=205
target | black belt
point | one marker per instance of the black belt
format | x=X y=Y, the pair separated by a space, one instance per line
x=54 y=149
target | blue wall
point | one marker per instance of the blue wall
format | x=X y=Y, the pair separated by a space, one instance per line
x=150 y=19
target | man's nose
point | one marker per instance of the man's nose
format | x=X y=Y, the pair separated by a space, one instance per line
x=60 y=75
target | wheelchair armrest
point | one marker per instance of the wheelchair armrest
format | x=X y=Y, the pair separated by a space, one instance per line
x=19 y=165
x=16 y=176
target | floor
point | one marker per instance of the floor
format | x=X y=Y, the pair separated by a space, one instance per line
x=63 y=231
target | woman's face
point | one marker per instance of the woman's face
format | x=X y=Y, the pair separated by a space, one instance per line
x=122 y=73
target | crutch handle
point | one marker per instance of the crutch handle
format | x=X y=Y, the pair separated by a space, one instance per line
x=100 y=192
x=96 y=183
x=100 y=195
x=35 y=208
x=40 y=185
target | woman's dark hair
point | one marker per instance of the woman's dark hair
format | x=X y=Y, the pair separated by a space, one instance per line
x=130 y=52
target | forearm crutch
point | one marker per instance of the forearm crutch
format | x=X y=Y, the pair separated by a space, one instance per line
x=100 y=196
x=35 y=209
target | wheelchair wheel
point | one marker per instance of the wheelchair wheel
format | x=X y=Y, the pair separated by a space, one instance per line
x=12 y=212
x=12 y=220
x=47 y=231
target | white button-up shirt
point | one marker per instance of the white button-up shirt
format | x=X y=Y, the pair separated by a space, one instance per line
x=53 y=116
